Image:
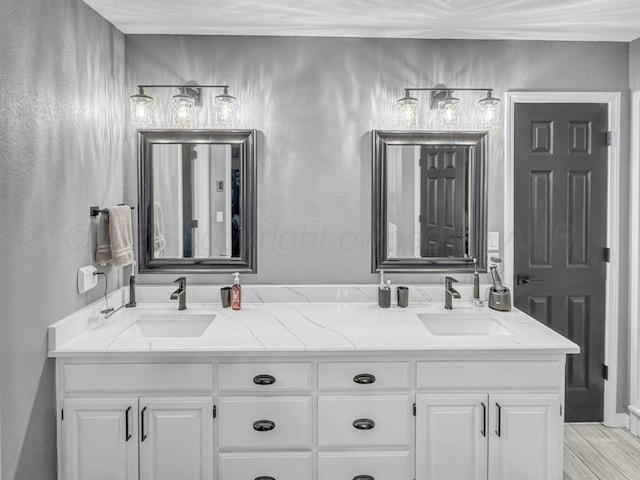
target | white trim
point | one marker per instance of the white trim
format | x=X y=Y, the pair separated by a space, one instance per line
x=634 y=421
x=634 y=262
x=612 y=99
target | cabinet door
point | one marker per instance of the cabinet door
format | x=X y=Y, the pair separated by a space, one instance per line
x=99 y=439
x=176 y=438
x=451 y=436
x=525 y=437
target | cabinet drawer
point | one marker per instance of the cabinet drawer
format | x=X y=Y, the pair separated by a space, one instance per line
x=487 y=375
x=363 y=376
x=264 y=377
x=279 y=466
x=364 y=421
x=378 y=465
x=138 y=377
x=264 y=422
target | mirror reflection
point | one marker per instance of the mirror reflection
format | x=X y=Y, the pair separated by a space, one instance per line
x=197 y=196
x=429 y=201
x=196 y=193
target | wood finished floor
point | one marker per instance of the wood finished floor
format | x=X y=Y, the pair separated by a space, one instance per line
x=592 y=451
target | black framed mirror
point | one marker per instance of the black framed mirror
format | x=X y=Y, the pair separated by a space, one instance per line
x=197 y=196
x=429 y=205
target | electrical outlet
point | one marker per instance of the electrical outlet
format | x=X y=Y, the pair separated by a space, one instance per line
x=219 y=217
x=86 y=278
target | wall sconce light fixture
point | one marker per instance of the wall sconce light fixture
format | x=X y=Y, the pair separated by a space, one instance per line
x=488 y=109
x=183 y=106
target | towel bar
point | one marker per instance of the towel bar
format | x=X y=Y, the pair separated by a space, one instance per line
x=94 y=211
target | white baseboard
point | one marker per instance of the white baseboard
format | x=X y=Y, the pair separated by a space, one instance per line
x=622 y=420
x=634 y=420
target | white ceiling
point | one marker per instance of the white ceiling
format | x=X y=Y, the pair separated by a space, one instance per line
x=588 y=20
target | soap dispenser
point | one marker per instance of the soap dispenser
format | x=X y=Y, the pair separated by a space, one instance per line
x=384 y=292
x=236 y=292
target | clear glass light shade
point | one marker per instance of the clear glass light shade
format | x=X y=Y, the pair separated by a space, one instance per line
x=489 y=112
x=226 y=111
x=141 y=109
x=183 y=111
x=408 y=112
x=449 y=112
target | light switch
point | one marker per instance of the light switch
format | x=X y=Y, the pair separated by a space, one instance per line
x=494 y=241
x=219 y=217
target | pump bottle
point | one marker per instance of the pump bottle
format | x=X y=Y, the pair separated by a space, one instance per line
x=236 y=292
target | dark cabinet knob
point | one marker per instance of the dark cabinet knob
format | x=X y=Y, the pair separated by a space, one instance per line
x=364 y=378
x=263 y=425
x=265 y=478
x=264 y=379
x=363 y=477
x=364 y=424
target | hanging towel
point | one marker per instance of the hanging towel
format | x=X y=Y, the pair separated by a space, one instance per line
x=159 y=240
x=115 y=237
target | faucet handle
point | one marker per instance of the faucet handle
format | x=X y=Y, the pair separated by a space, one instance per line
x=181 y=281
x=449 y=280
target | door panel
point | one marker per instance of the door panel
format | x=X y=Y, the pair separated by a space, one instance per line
x=177 y=438
x=451 y=436
x=99 y=438
x=560 y=235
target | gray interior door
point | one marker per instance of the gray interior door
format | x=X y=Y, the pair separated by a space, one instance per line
x=443 y=201
x=560 y=236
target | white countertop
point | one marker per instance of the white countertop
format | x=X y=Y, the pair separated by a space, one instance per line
x=320 y=327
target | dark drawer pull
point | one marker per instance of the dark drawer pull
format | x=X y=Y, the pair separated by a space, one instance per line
x=127 y=435
x=264 y=380
x=265 y=478
x=263 y=425
x=364 y=378
x=364 y=424
x=363 y=477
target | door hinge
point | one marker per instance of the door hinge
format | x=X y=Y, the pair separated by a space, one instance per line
x=609 y=137
x=414 y=409
x=607 y=254
x=215 y=412
x=420 y=218
x=560 y=410
x=605 y=372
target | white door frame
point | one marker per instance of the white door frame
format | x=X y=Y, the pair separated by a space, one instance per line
x=634 y=273
x=612 y=99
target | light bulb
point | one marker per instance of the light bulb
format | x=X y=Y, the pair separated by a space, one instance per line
x=226 y=110
x=141 y=109
x=489 y=112
x=408 y=111
x=449 y=112
x=182 y=112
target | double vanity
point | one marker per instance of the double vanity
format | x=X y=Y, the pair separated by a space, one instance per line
x=312 y=383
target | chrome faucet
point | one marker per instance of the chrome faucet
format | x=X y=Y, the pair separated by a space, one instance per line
x=180 y=293
x=449 y=292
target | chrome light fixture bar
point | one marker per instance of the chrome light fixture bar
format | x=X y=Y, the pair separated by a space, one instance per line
x=488 y=111
x=183 y=106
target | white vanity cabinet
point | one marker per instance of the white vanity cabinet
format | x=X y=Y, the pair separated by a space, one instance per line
x=365 y=421
x=502 y=431
x=265 y=420
x=312 y=416
x=147 y=421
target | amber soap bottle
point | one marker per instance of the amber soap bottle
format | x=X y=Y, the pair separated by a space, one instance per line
x=236 y=292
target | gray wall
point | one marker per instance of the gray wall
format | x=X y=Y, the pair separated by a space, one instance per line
x=61 y=118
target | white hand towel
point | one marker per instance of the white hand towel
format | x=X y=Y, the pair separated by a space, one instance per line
x=103 y=252
x=121 y=235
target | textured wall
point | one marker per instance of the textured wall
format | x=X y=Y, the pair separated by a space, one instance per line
x=315 y=102
x=634 y=65
x=61 y=118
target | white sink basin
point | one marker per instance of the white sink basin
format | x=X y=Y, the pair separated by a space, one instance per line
x=464 y=324
x=167 y=325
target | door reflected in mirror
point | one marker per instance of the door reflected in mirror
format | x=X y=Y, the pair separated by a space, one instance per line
x=196 y=193
x=429 y=201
